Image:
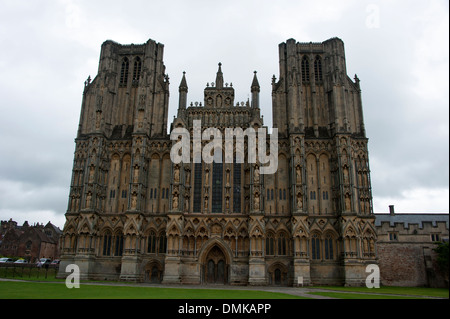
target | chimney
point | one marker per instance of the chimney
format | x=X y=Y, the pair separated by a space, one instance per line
x=391 y=209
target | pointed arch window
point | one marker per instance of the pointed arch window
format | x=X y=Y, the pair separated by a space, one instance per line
x=329 y=247
x=318 y=69
x=269 y=244
x=162 y=243
x=107 y=238
x=315 y=247
x=197 y=187
x=137 y=70
x=118 y=245
x=151 y=244
x=124 y=72
x=217 y=178
x=237 y=170
x=282 y=244
x=305 y=69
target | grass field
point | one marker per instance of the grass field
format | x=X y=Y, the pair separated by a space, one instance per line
x=38 y=290
x=349 y=295
x=46 y=290
x=404 y=291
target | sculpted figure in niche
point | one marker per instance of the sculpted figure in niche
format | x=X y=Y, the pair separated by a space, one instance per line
x=299 y=201
x=186 y=203
x=91 y=174
x=298 y=174
x=347 y=203
x=175 y=201
x=136 y=174
x=133 y=201
x=176 y=174
x=188 y=177
x=256 y=201
x=219 y=101
x=346 y=175
x=206 y=177
x=206 y=203
x=88 y=200
x=256 y=176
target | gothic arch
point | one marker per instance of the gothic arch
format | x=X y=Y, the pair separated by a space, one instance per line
x=210 y=244
x=153 y=271
x=278 y=274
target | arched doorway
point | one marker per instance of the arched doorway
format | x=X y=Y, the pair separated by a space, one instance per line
x=216 y=268
x=153 y=272
x=278 y=274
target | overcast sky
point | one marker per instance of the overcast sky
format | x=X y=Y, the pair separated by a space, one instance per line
x=398 y=49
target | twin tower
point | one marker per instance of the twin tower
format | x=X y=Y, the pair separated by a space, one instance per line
x=135 y=215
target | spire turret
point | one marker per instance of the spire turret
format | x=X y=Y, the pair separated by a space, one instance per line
x=255 y=91
x=219 y=77
x=183 y=89
x=183 y=84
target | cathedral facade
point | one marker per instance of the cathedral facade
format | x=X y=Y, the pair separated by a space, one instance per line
x=136 y=215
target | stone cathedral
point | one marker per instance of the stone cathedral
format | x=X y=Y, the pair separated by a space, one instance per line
x=135 y=215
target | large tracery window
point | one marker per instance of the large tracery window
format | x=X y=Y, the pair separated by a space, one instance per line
x=107 y=244
x=118 y=246
x=137 y=70
x=151 y=245
x=237 y=169
x=162 y=243
x=305 y=69
x=269 y=245
x=124 y=72
x=217 y=178
x=329 y=247
x=112 y=245
x=315 y=247
x=282 y=245
x=318 y=69
x=197 y=188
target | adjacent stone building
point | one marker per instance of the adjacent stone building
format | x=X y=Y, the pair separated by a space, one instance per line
x=30 y=242
x=135 y=215
x=405 y=248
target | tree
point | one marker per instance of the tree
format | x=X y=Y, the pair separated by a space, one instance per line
x=443 y=257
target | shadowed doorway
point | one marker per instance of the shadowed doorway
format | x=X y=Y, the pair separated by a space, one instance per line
x=216 y=268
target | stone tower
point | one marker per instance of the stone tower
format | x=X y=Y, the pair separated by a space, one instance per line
x=134 y=214
x=317 y=109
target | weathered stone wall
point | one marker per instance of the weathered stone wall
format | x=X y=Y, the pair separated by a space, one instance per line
x=405 y=249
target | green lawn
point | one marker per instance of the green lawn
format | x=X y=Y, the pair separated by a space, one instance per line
x=349 y=295
x=29 y=273
x=408 y=291
x=43 y=290
x=36 y=290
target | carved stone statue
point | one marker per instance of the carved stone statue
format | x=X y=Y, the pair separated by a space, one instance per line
x=206 y=203
x=176 y=174
x=91 y=174
x=175 y=201
x=133 y=201
x=188 y=177
x=206 y=177
x=136 y=174
x=347 y=203
x=298 y=173
x=256 y=175
x=299 y=201
x=256 y=201
x=88 y=200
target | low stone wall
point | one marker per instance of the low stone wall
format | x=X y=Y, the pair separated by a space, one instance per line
x=409 y=265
